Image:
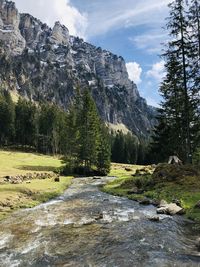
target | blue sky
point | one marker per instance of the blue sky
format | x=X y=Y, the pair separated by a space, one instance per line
x=129 y=28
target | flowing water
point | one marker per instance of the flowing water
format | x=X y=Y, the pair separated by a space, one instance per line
x=86 y=227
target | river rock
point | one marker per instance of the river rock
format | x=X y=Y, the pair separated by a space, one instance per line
x=177 y=202
x=170 y=209
x=163 y=203
x=154 y=218
x=96 y=177
x=99 y=216
x=197 y=244
x=145 y=201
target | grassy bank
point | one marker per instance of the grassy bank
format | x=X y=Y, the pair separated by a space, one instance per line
x=29 y=193
x=184 y=185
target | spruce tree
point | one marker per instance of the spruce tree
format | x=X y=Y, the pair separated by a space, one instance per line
x=104 y=152
x=89 y=132
x=179 y=89
x=25 y=123
x=7 y=118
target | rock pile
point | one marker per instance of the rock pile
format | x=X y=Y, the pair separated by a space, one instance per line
x=18 y=179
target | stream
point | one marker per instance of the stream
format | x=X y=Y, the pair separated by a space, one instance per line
x=88 y=228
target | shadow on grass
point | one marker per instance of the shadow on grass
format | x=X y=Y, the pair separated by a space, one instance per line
x=37 y=168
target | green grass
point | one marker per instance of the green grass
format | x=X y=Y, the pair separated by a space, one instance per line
x=186 y=189
x=12 y=163
x=15 y=196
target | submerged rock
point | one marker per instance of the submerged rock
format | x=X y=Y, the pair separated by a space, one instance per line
x=154 y=218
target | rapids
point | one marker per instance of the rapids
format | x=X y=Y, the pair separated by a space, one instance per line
x=88 y=228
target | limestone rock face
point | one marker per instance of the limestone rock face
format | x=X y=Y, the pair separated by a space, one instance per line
x=48 y=64
x=9 y=27
x=60 y=34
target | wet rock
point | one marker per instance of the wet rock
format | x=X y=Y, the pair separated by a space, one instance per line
x=154 y=219
x=96 y=178
x=99 y=216
x=197 y=243
x=155 y=202
x=145 y=201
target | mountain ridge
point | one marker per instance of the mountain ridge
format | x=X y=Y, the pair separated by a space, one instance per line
x=48 y=64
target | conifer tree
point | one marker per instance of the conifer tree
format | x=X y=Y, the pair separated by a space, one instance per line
x=104 y=152
x=179 y=88
x=7 y=118
x=25 y=123
x=89 y=131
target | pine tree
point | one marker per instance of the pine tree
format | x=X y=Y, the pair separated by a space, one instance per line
x=7 y=118
x=179 y=106
x=104 y=152
x=89 y=132
x=51 y=121
x=194 y=66
x=25 y=123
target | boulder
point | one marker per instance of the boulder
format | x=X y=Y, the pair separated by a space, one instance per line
x=163 y=203
x=170 y=209
x=177 y=202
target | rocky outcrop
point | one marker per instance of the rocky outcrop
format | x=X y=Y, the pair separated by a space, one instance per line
x=9 y=28
x=48 y=64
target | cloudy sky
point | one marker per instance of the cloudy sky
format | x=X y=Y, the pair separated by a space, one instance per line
x=130 y=28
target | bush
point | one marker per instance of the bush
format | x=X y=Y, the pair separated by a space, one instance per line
x=172 y=172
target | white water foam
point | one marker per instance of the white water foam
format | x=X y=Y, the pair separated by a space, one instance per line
x=31 y=247
x=4 y=240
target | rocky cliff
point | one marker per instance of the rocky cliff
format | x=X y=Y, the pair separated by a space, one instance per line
x=48 y=64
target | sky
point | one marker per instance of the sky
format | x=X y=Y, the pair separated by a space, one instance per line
x=132 y=29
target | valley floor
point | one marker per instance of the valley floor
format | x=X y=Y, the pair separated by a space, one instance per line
x=32 y=192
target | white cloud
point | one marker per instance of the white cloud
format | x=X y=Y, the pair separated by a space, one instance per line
x=134 y=72
x=49 y=11
x=157 y=71
x=151 y=41
x=116 y=14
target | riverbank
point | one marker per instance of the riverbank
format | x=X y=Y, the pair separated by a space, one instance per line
x=31 y=192
x=177 y=185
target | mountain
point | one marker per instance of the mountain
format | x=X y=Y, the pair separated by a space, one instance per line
x=41 y=63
